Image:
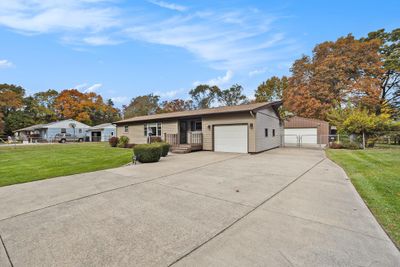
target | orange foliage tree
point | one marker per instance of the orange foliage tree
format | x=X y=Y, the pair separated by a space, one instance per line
x=343 y=72
x=84 y=107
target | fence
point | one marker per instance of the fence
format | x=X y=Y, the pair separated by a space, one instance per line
x=354 y=141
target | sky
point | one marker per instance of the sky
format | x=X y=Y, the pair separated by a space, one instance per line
x=122 y=49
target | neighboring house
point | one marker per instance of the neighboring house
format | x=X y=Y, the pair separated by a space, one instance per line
x=101 y=132
x=299 y=130
x=47 y=132
x=246 y=128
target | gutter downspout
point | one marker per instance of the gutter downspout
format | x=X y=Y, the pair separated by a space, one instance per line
x=251 y=113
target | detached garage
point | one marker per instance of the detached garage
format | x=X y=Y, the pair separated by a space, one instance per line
x=306 y=131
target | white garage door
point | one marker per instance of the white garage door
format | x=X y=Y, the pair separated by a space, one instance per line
x=230 y=138
x=306 y=135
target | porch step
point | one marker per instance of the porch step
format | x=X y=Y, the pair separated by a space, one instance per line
x=181 y=149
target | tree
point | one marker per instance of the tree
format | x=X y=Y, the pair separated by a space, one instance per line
x=141 y=105
x=204 y=95
x=175 y=105
x=88 y=108
x=390 y=54
x=232 y=96
x=340 y=72
x=44 y=102
x=11 y=99
x=272 y=89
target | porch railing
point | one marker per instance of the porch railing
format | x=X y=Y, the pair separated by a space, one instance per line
x=193 y=138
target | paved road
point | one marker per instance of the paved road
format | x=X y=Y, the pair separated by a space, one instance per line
x=284 y=207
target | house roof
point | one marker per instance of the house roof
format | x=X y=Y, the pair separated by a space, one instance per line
x=201 y=112
x=63 y=124
x=101 y=126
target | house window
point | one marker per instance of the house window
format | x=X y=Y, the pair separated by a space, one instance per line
x=273 y=132
x=195 y=125
x=80 y=130
x=153 y=129
x=63 y=130
x=112 y=133
x=126 y=128
x=266 y=132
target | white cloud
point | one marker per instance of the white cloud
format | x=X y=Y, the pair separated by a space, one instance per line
x=32 y=16
x=257 y=72
x=4 y=64
x=84 y=87
x=167 y=5
x=221 y=80
x=169 y=94
x=218 y=81
x=120 y=100
x=100 y=40
x=93 y=88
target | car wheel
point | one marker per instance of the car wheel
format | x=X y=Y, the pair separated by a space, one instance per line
x=63 y=141
x=80 y=140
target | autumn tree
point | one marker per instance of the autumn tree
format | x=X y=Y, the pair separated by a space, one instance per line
x=204 y=95
x=141 y=105
x=175 y=105
x=390 y=55
x=232 y=96
x=11 y=99
x=340 y=72
x=88 y=108
x=272 y=89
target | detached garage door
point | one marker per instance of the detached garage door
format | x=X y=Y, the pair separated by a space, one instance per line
x=230 y=138
x=306 y=135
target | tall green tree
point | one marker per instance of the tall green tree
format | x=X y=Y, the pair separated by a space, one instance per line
x=141 y=105
x=11 y=100
x=44 y=102
x=204 y=95
x=272 y=89
x=232 y=96
x=175 y=105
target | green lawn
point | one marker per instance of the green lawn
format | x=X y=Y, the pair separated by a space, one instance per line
x=375 y=174
x=22 y=164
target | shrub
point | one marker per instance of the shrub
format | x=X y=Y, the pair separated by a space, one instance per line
x=164 y=147
x=113 y=141
x=155 y=139
x=123 y=141
x=352 y=146
x=130 y=145
x=336 y=145
x=147 y=152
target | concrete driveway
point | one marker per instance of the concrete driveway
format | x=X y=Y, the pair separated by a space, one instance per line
x=284 y=207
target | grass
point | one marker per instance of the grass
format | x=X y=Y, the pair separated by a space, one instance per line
x=375 y=174
x=22 y=164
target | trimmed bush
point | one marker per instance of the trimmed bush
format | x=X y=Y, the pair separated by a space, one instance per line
x=352 y=146
x=165 y=148
x=336 y=145
x=147 y=152
x=113 y=141
x=123 y=141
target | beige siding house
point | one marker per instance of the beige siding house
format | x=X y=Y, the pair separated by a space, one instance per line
x=247 y=128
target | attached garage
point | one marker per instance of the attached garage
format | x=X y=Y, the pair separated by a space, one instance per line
x=231 y=138
x=305 y=135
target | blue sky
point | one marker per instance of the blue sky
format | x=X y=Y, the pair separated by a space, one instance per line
x=122 y=49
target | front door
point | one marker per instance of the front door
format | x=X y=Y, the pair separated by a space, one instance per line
x=183 y=132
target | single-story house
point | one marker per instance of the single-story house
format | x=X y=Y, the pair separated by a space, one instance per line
x=47 y=132
x=299 y=130
x=249 y=128
x=101 y=132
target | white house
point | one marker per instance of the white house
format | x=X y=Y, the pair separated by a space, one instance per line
x=47 y=132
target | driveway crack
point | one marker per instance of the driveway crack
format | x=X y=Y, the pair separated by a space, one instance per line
x=6 y=251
